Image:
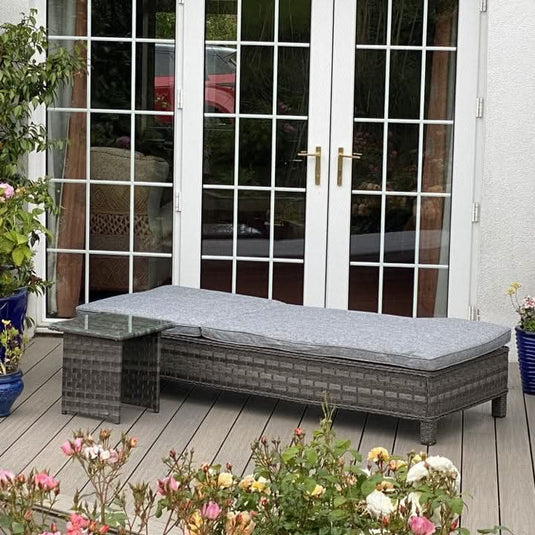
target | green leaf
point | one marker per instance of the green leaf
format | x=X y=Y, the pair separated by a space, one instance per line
x=339 y=500
x=289 y=453
x=17 y=527
x=309 y=484
x=456 y=505
x=18 y=255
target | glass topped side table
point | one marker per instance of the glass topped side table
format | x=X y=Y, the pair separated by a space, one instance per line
x=109 y=359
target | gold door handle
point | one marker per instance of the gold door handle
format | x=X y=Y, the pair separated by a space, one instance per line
x=341 y=156
x=317 y=155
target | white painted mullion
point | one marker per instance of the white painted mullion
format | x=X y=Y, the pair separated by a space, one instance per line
x=132 y=150
x=406 y=47
x=402 y=121
x=258 y=116
x=88 y=154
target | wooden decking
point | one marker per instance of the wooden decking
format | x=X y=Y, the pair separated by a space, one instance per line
x=496 y=457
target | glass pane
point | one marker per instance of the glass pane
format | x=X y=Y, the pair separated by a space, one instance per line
x=371 y=22
x=294 y=21
x=111 y=19
x=370 y=66
x=253 y=223
x=442 y=22
x=256 y=85
x=153 y=219
x=292 y=85
x=156 y=19
x=252 y=278
x=217 y=218
x=111 y=130
x=405 y=77
x=432 y=293
x=440 y=85
x=68 y=227
x=400 y=225
x=368 y=171
x=154 y=149
x=70 y=160
x=402 y=173
x=363 y=288
x=221 y=20
x=218 y=160
x=365 y=239
x=289 y=225
x=437 y=158
x=288 y=282
x=216 y=275
x=407 y=22
x=108 y=275
x=220 y=79
x=109 y=217
x=151 y=273
x=290 y=169
x=434 y=230
x=110 y=70
x=67 y=272
x=255 y=152
x=257 y=20
x=66 y=17
x=398 y=289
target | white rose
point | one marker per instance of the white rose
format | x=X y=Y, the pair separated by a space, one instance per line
x=443 y=464
x=417 y=472
x=412 y=502
x=379 y=505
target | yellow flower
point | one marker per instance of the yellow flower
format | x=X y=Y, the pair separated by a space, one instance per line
x=378 y=455
x=225 y=480
x=515 y=286
x=318 y=491
x=259 y=484
x=246 y=482
x=239 y=524
x=195 y=523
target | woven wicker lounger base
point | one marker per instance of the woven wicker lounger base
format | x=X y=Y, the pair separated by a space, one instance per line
x=420 y=395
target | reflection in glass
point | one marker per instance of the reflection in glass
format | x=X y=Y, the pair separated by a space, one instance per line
x=370 y=83
x=253 y=223
x=440 y=85
x=73 y=93
x=292 y=86
x=217 y=218
x=402 y=158
x=220 y=79
x=68 y=228
x=363 y=288
x=437 y=158
x=218 y=160
x=111 y=19
x=257 y=19
x=154 y=148
x=367 y=173
x=400 y=229
x=63 y=297
x=365 y=238
x=252 y=278
x=111 y=130
x=109 y=217
x=442 y=22
x=153 y=219
x=405 y=76
x=434 y=230
x=407 y=23
x=289 y=225
x=371 y=22
x=432 y=293
x=290 y=169
x=255 y=152
x=294 y=21
x=108 y=275
x=256 y=85
x=156 y=19
x=288 y=282
x=221 y=20
x=65 y=17
x=110 y=70
x=398 y=288
x=151 y=273
x=216 y=275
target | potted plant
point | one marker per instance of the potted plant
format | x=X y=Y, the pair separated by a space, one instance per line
x=29 y=78
x=525 y=336
x=12 y=342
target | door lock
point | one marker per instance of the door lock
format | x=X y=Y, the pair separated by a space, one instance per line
x=341 y=156
x=317 y=155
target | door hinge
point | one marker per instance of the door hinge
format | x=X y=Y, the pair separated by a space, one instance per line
x=179 y=99
x=476 y=212
x=181 y=2
x=480 y=107
x=178 y=202
x=483 y=5
x=473 y=313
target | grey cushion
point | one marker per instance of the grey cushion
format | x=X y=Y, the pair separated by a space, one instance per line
x=187 y=307
x=421 y=343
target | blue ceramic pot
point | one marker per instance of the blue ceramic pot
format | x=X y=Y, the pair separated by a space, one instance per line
x=525 y=344
x=11 y=386
x=13 y=307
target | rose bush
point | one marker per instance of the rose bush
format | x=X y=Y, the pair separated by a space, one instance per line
x=525 y=308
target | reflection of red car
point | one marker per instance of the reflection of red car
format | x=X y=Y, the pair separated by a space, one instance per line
x=219 y=85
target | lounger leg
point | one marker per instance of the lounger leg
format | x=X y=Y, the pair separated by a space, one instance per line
x=428 y=432
x=499 y=406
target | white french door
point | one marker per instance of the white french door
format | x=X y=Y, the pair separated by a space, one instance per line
x=322 y=171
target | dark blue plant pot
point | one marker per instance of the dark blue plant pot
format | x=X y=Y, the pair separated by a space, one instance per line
x=13 y=307
x=11 y=386
x=525 y=344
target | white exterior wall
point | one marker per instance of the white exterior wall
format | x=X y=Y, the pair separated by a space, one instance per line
x=10 y=10
x=507 y=228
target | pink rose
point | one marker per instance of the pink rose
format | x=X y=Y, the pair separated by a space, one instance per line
x=45 y=481
x=67 y=449
x=167 y=484
x=421 y=526
x=7 y=190
x=210 y=510
x=6 y=476
x=76 y=524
